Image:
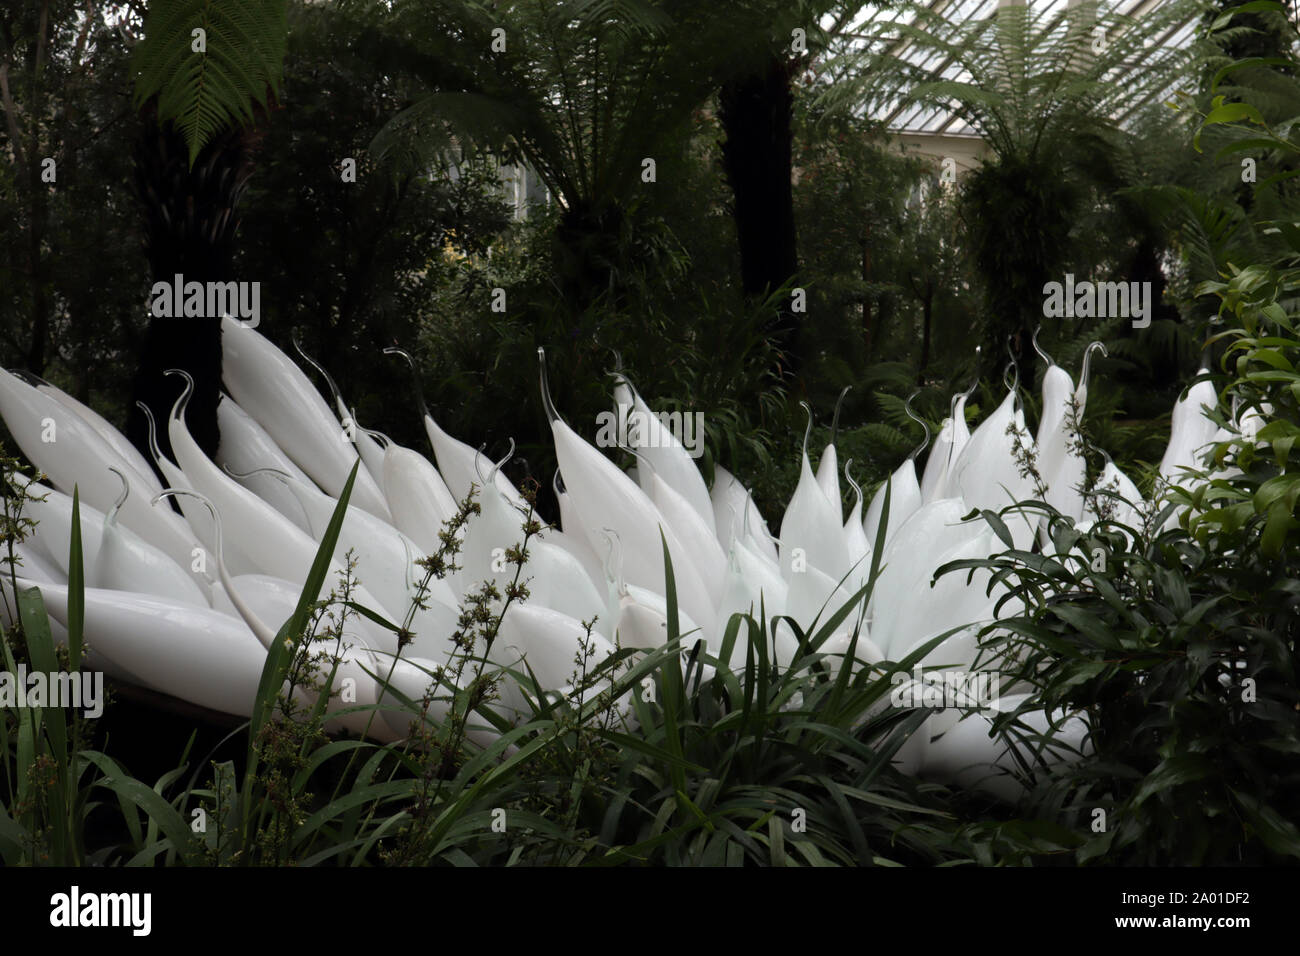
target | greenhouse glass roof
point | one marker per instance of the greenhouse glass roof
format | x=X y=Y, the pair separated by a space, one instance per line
x=876 y=30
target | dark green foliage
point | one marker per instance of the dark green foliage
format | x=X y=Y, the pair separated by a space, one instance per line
x=355 y=263
x=212 y=80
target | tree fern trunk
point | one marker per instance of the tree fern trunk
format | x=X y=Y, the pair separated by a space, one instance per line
x=927 y=318
x=191 y=215
x=588 y=255
x=756 y=114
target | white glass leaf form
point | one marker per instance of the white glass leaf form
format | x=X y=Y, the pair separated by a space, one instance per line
x=904 y=500
x=643 y=621
x=78 y=456
x=1115 y=493
x=984 y=468
x=568 y=519
x=1060 y=462
x=969 y=756
x=1063 y=470
x=953 y=435
x=987 y=474
x=140 y=474
x=273 y=600
x=1025 y=439
x=911 y=559
x=197 y=516
x=748 y=590
x=550 y=642
x=384 y=556
x=34 y=564
x=580 y=551
x=558 y=580
x=763 y=574
x=960 y=430
x=271 y=541
x=371 y=452
x=904 y=489
x=950 y=602
x=604 y=497
x=668 y=457
x=92 y=660
x=865 y=650
x=460 y=465
x=411 y=677
x=1252 y=420
x=348 y=657
x=934 y=529
x=555 y=578
x=353 y=672
x=52 y=513
x=935 y=473
x=813 y=596
x=812 y=529
x=273 y=390
x=127 y=563
x=195 y=653
x=420 y=498
x=574 y=539
x=828 y=476
x=1057 y=389
x=1190 y=431
x=734 y=511
x=958 y=651
x=640 y=614
x=702 y=548
x=245 y=447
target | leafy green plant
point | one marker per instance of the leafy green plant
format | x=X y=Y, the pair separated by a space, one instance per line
x=1042 y=87
x=1178 y=642
x=209 y=80
x=45 y=803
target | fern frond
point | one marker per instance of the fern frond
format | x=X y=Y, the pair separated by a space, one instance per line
x=203 y=91
x=1026 y=78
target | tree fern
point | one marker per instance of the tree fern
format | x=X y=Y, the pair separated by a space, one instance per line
x=203 y=88
x=585 y=90
x=1026 y=78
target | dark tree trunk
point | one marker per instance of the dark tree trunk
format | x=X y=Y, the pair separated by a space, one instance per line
x=927 y=314
x=756 y=115
x=36 y=357
x=1145 y=267
x=588 y=245
x=867 y=318
x=191 y=215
